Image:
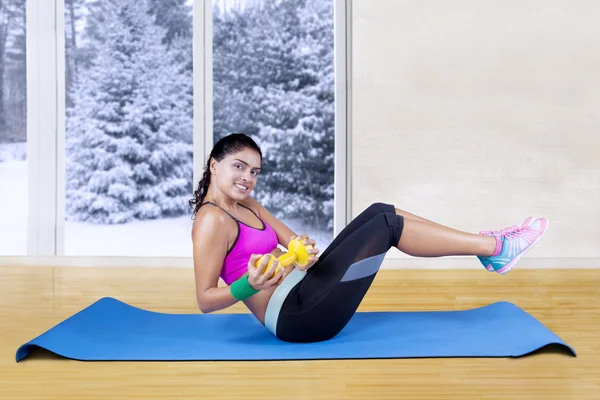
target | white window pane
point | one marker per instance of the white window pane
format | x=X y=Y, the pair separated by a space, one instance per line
x=273 y=79
x=128 y=129
x=13 y=129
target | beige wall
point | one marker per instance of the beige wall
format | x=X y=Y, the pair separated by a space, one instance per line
x=477 y=114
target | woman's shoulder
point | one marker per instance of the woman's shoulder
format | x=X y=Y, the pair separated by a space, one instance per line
x=210 y=218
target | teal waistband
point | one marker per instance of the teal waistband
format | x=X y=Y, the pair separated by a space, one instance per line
x=279 y=296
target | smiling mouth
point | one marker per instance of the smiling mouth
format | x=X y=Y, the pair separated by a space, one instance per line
x=241 y=187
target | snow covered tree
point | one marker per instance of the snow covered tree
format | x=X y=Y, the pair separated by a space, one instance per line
x=274 y=79
x=13 y=76
x=175 y=16
x=129 y=152
x=234 y=74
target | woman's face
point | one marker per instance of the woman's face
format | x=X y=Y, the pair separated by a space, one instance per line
x=236 y=174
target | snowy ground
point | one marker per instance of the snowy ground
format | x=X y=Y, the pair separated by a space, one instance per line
x=13 y=208
x=13 y=152
x=160 y=238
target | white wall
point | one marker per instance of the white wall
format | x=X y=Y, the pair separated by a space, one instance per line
x=477 y=114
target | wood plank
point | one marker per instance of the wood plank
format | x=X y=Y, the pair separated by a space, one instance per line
x=567 y=301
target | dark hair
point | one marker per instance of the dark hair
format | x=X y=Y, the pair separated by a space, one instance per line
x=227 y=145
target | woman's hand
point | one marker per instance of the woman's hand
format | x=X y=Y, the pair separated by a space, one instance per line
x=312 y=253
x=264 y=281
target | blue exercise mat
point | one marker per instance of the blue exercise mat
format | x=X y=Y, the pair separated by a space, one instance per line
x=110 y=330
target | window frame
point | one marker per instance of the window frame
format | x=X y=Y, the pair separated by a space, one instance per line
x=46 y=105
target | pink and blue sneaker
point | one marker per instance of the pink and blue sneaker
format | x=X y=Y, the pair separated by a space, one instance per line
x=513 y=243
x=484 y=260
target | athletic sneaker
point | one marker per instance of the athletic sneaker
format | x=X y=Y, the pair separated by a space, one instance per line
x=484 y=260
x=515 y=244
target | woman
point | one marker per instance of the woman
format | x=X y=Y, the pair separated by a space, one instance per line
x=314 y=302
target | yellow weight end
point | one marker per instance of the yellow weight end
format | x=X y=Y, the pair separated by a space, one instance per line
x=300 y=250
x=268 y=264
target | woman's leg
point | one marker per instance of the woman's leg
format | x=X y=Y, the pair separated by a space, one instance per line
x=370 y=212
x=322 y=303
x=414 y=217
x=426 y=238
x=366 y=215
x=422 y=239
x=379 y=208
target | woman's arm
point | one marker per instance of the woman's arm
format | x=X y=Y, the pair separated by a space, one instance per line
x=217 y=298
x=210 y=241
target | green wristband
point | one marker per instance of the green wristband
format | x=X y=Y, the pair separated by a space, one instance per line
x=241 y=289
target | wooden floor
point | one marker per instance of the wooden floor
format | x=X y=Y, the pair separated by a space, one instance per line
x=567 y=301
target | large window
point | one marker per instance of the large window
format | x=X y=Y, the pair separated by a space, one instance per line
x=128 y=127
x=103 y=137
x=273 y=79
x=13 y=128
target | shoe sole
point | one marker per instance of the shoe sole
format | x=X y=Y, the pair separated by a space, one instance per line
x=514 y=262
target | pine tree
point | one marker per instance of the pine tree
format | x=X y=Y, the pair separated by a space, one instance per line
x=13 y=101
x=273 y=78
x=129 y=153
x=175 y=16
x=296 y=115
x=233 y=81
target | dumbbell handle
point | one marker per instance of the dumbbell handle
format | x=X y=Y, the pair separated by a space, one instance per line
x=297 y=253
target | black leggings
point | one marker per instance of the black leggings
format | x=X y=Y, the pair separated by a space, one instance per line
x=320 y=305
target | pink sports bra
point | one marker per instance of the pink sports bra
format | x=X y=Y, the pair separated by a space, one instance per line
x=248 y=241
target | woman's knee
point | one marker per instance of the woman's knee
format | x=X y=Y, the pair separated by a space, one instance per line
x=380 y=207
x=395 y=224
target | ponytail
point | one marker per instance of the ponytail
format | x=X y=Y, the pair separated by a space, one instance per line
x=200 y=193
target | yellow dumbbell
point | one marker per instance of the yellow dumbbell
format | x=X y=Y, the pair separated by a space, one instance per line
x=297 y=253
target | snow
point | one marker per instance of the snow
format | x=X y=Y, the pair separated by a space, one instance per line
x=13 y=152
x=129 y=126
x=169 y=237
x=13 y=206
